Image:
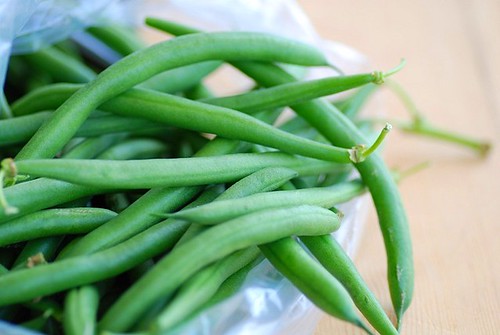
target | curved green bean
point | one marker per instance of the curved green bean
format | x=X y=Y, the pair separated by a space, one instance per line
x=53 y=222
x=331 y=255
x=312 y=279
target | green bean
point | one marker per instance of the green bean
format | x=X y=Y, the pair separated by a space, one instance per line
x=20 y=129
x=80 y=311
x=311 y=279
x=107 y=124
x=182 y=78
x=353 y=105
x=43 y=193
x=145 y=63
x=45 y=247
x=294 y=92
x=221 y=211
x=60 y=66
x=53 y=222
x=182 y=262
x=119 y=38
x=137 y=148
x=3 y=270
x=267 y=179
x=225 y=122
x=202 y=286
x=231 y=285
x=331 y=255
x=163 y=172
x=94 y=146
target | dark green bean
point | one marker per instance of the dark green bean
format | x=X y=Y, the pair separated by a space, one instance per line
x=53 y=222
x=43 y=247
x=211 y=245
x=60 y=66
x=331 y=255
x=164 y=172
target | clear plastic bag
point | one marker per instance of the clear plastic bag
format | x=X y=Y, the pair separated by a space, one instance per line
x=267 y=303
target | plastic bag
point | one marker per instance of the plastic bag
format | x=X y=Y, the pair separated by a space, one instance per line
x=267 y=303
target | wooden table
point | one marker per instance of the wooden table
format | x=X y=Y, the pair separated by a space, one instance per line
x=453 y=74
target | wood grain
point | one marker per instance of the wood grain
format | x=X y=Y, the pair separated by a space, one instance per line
x=453 y=73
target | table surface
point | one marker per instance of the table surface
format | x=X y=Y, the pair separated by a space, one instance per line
x=453 y=74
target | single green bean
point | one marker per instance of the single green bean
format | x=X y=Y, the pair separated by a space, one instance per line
x=312 y=279
x=174 y=172
x=80 y=311
x=42 y=247
x=331 y=255
x=137 y=148
x=53 y=222
x=211 y=245
x=144 y=64
x=202 y=286
x=20 y=129
x=94 y=146
x=221 y=211
x=119 y=38
x=294 y=92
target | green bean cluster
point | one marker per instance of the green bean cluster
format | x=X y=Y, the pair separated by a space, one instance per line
x=132 y=198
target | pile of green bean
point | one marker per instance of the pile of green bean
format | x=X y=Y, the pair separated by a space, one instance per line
x=133 y=199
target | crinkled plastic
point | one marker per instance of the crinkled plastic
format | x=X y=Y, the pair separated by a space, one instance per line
x=267 y=304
